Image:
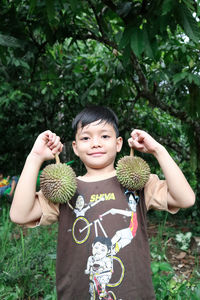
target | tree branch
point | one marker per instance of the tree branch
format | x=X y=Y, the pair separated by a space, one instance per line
x=110 y=4
x=98 y=19
x=138 y=69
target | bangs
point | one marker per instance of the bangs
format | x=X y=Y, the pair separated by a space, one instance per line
x=93 y=114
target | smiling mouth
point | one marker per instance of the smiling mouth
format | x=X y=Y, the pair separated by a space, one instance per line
x=97 y=154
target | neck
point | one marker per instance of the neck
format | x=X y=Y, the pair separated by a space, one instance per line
x=98 y=174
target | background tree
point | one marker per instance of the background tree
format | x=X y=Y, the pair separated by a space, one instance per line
x=141 y=58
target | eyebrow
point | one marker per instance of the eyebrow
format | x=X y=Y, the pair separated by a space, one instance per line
x=100 y=131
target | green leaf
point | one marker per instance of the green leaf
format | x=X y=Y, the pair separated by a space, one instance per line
x=188 y=22
x=126 y=55
x=196 y=79
x=179 y=76
x=50 y=11
x=126 y=37
x=198 y=7
x=167 y=6
x=124 y=9
x=3 y=56
x=137 y=41
x=10 y=41
x=74 y=5
x=25 y=65
x=44 y=90
x=32 y=6
x=164 y=266
x=189 y=4
x=154 y=267
x=197 y=292
x=148 y=49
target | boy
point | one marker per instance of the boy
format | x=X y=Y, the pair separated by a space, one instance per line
x=96 y=143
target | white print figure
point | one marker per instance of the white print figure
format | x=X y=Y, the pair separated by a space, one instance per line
x=100 y=264
x=124 y=237
x=100 y=267
x=80 y=210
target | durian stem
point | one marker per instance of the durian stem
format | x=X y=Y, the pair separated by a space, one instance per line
x=57 y=158
x=132 y=152
x=70 y=205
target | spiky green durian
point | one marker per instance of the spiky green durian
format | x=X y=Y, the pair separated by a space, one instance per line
x=132 y=172
x=58 y=182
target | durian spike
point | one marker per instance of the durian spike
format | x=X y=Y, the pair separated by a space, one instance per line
x=131 y=152
x=57 y=162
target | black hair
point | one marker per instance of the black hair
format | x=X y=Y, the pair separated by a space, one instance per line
x=134 y=194
x=103 y=240
x=94 y=113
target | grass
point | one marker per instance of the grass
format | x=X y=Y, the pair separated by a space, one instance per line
x=27 y=262
x=170 y=282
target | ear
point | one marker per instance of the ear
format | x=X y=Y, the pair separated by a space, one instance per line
x=119 y=143
x=74 y=146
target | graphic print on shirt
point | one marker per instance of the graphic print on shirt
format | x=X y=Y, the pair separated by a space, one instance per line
x=103 y=263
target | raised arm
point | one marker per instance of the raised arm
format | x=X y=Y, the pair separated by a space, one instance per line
x=180 y=193
x=25 y=208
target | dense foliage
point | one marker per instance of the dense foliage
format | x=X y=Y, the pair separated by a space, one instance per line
x=141 y=58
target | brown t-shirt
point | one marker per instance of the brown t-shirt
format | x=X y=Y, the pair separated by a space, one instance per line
x=103 y=246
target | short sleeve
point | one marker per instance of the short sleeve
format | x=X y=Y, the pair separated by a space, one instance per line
x=156 y=195
x=50 y=212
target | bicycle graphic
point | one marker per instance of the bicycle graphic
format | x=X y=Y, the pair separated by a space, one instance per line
x=81 y=226
x=95 y=286
x=81 y=232
x=81 y=229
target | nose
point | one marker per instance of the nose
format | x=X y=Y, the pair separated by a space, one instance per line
x=96 y=143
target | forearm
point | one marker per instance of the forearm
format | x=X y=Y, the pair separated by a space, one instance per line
x=24 y=207
x=180 y=192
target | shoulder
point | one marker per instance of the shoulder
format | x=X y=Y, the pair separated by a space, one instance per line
x=153 y=179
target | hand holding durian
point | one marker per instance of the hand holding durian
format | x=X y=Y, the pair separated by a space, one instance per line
x=133 y=172
x=58 y=182
x=143 y=142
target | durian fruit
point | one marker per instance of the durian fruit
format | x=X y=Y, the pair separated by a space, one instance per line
x=132 y=172
x=58 y=182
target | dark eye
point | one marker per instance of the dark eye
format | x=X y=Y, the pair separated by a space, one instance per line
x=85 y=138
x=105 y=136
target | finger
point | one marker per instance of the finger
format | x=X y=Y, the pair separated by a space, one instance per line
x=130 y=142
x=60 y=148
x=136 y=131
x=48 y=133
x=133 y=143
x=138 y=135
x=54 y=140
x=57 y=149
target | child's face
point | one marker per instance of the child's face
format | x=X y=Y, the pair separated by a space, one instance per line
x=99 y=250
x=80 y=202
x=132 y=203
x=96 y=145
